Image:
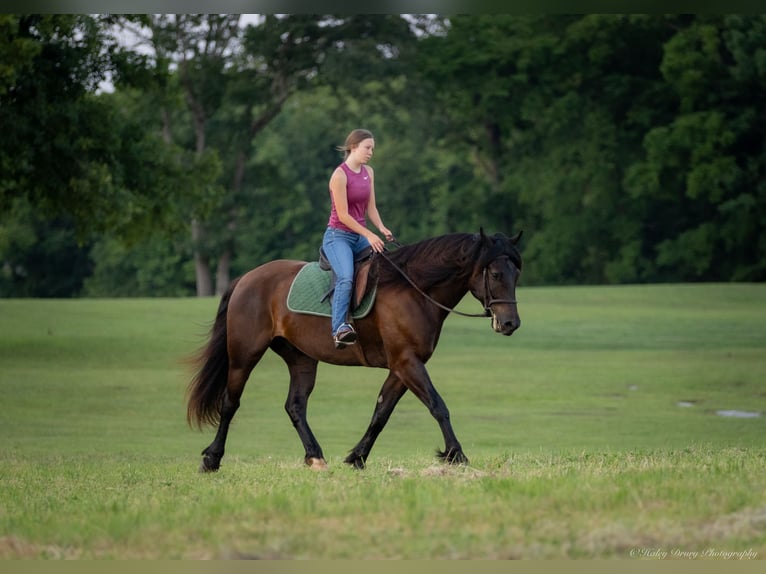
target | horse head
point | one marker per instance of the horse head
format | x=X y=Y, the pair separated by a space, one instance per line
x=496 y=273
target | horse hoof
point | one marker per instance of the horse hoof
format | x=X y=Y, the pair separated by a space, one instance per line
x=459 y=458
x=315 y=463
x=356 y=461
x=453 y=457
x=208 y=465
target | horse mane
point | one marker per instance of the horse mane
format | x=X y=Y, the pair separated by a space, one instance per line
x=453 y=256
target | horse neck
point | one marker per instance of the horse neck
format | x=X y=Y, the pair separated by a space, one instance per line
x=451 y=291
x=448 y=291
x=445 y=282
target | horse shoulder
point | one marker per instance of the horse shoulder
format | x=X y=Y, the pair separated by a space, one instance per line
x=406 y=326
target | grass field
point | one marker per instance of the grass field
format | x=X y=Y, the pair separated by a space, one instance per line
x=593 y=432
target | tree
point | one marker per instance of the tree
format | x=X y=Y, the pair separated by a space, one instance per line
x=40 y=256
x=159 y=266
x=705 y=165
x=588 y=118
x=282 y=57
x=70 y=151
x=624 y=168
x=53 y=131
x=619 y=168
x=278 y=59
x=75 y=163
x=235 y=84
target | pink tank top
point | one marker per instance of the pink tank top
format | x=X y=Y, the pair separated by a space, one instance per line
x=358 y=187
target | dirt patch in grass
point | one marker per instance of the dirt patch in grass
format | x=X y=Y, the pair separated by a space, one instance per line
x=15 y=548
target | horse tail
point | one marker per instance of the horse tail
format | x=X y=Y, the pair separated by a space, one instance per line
x=207 y=387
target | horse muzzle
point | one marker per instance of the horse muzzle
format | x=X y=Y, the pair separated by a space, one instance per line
x=505 y=324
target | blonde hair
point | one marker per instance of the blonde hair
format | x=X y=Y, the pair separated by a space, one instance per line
x=354 y=139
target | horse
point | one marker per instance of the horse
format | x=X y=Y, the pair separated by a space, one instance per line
x=419 y=284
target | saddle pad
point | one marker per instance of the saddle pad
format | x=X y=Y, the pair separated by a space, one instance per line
x=311 y=284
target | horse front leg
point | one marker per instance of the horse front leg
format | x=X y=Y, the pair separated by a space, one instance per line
x=414 y=375
x=390 y=393
x=302 y=380
x=303 y=371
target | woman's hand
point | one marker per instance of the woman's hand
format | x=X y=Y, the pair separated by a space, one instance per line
x=387 y=233
x=376 y=243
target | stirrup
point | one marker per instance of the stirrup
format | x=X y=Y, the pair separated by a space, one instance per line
x=344 y=336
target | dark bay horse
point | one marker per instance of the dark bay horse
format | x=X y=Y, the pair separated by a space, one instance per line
x=417 y=287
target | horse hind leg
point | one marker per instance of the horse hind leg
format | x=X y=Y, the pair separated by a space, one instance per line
x=303 y=370
x=235 y=385
x=212 y=455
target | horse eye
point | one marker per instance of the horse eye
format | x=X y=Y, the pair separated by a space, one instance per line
x=495 y=275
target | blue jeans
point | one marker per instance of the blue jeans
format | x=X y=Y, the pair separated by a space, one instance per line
x=341 y=247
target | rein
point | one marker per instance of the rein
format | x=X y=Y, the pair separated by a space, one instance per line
x=488 y=299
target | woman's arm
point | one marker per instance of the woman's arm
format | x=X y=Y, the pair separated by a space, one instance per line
x=372 y=209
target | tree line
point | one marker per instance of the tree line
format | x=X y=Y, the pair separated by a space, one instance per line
x=629 y=148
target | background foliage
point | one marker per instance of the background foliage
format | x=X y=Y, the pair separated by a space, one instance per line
x=628 y=147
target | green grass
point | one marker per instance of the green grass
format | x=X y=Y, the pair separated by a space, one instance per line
x=578 y=445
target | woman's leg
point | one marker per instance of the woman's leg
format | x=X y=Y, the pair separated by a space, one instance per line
x=338 y=248
x=360 y=245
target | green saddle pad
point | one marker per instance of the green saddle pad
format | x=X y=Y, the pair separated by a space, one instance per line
x=311 y=284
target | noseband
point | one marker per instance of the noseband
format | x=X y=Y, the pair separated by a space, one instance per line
x=489 y=300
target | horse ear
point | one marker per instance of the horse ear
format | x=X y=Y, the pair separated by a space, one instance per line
x=483 y=237
x=515 y=238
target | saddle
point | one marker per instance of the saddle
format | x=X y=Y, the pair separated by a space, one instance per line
x=365 y=277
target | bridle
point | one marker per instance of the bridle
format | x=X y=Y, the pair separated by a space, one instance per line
x=489 y=300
